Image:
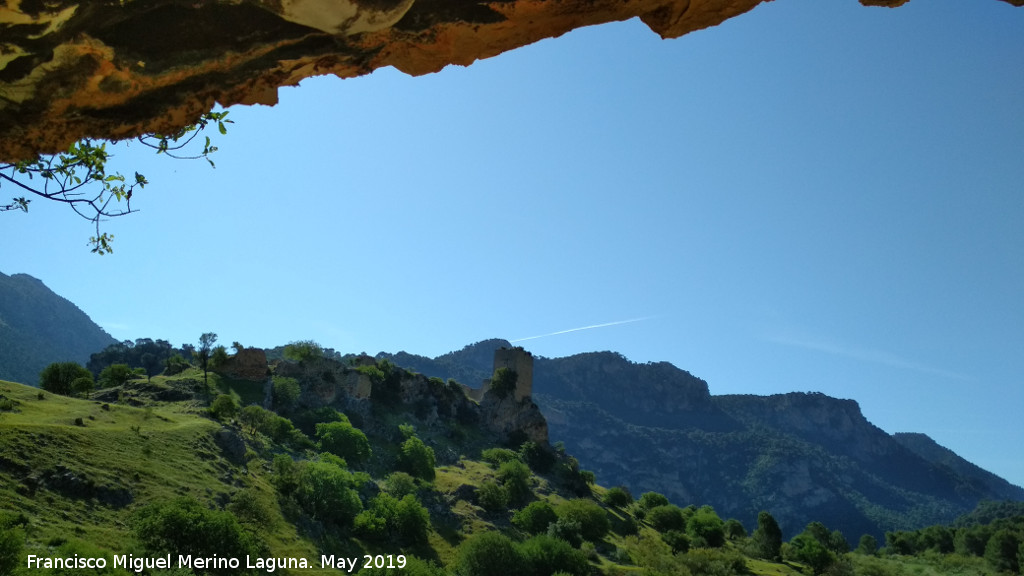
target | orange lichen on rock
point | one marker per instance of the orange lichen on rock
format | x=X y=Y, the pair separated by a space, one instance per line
x=70 y=70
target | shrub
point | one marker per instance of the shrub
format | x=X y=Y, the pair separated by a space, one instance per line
x=714 y=562
x=491 y=497
x=734 y=530
x=251 y=509
x=678 y=541
x=399 y=484
x=286 y=391
x=568 y=530
x=82 y=385
x=115 y=375
x=868 y=545
x=503 y=382
x=498 y=456
x=326 y=493
x=666 y=517
x=535 y=517
x=412 y=521
x=618 y=496
x=539 y=458
x=545 y=555
x=515 y=478
x=342 y=439
x=417 y=458
x=223 y=406
x=488 y=554
x=706 y=529
x=219 y=357
x=1001 y=551
x=12 y=540
x=592 y=518
x=175 y=364
x=255 y=418
x=303 y=351
x=57 y=377
x=768 y=536
x=185 y=526
x=650 y=500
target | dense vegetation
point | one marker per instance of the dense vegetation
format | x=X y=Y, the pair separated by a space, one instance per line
x=178 y=463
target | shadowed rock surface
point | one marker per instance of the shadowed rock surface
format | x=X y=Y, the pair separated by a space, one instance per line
x=114 y=70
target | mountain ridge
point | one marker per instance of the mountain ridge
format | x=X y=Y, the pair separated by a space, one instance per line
x=801 y=455
x=39 y=327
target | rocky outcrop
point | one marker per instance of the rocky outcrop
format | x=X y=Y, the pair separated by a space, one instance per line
x=508 y=416
x=71 y=69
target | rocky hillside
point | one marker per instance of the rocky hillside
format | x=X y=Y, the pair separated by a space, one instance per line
x=801 y=456
x=38 y=327
x=925 y=447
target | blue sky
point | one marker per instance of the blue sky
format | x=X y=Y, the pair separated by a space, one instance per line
x=814 y=196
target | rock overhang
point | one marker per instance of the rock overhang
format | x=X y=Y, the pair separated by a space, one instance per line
x=117 y=69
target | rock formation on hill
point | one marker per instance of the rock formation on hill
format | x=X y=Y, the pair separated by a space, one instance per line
x=114 y=70
x=801 y=456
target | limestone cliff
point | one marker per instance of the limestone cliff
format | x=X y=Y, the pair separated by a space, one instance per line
x=117 y=69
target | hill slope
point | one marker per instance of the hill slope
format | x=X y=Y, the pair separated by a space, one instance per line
x=38 y=327
x=804 y=457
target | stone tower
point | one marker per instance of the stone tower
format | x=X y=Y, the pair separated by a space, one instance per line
x=521 y=362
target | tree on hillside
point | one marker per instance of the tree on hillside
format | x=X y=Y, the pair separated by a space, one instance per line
x=1001 y=551
x=768 y=536
x=303 y=351
x=59 y=377
x=80 y=177
x=203 y=352
x=868 y=545
x=115 y=375
x=504 y=382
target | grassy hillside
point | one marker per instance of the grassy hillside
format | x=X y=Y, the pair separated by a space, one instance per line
x=83 y=476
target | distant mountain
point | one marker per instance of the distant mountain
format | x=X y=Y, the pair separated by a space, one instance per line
x=803 y=457
x=38 y=327
x=925 y=447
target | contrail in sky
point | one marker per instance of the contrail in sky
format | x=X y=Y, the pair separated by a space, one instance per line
x=585 y=328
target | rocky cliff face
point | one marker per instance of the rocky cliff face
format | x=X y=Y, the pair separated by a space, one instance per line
x=107 y=69
x=801 y=456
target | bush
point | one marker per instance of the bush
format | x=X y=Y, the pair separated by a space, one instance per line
x=417 y=458
x=539 y=458
x=678 y=541
x=223 y=407
x=175 y=364
x=342 y=439
x=303 y=351
x=399 y=484
x=666 y=517
x=488 y=554
x=592 y=518
x=58 y=377
x=251 y=509
x=706 y=529
x=568 y=530
x=115 y=375
x=868 y=545
x=498 y=456
x=734 y=530
x=1001 y=551
x=12 y=540
x=286 y=391
x=412 y=521
x=82 y=385
x=714 y=562
x=618 y=496
x=515 y=478
x=255 y=418
x=650 y=500
x=491 y=497
x=185 y=526
x=545 y=555
x=503 y=383
x=535 y=517
x=325 y=492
